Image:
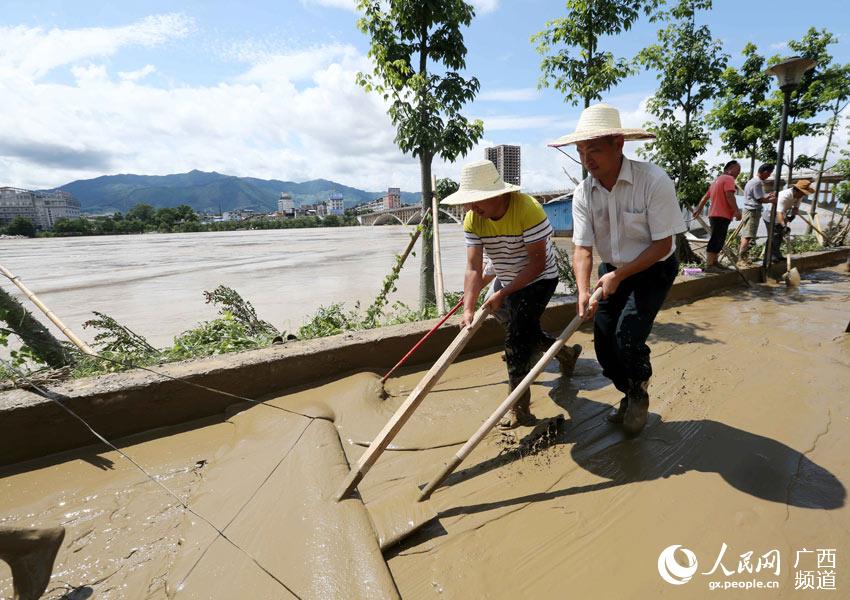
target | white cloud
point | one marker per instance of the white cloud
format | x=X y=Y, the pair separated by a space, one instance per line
x=482 y=7
x=297 y=115
x=32 y=52
x=137 y=74
x=513 y=95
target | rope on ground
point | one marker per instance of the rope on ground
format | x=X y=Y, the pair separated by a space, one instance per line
x=53 y=396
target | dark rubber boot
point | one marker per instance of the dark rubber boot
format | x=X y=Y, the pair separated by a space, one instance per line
x=638 y=407
x=567 y=357
x=617 y=414
x=520 y=414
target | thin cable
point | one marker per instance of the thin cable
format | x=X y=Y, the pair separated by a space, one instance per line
x=578 y=162
x=56 y=398
x=130 y=365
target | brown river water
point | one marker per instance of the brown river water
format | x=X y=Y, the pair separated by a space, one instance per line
x=154 y=283
x=740 y=479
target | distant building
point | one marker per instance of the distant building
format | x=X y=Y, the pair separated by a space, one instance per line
x=507 y=161
x=392 y=199
x=286 y=205
x=238 y=214
x=42 y=208
x=335 y=204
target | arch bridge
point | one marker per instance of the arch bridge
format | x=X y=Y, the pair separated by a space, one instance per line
x=408 y=215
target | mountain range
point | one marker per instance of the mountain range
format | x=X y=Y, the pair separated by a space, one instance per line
x=208 y=192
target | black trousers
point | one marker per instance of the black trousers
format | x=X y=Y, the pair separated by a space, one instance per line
x=520 y=316
x=719 y=229
x=624 y=320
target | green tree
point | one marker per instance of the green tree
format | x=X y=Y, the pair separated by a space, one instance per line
x=417 y=47
x=689 y=63
x=573 y=62
x=835 y=93
x=166 y=218
x=808 y=100
x=446 y=187
x=186 y=214
x=78 y=226
x=742 y=113
x=142 y=212
x=21 y=226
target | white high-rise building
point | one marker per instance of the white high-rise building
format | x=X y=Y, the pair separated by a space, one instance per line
x=286 y=205
x=43 y=209
x=335 y=204
x=507 y=161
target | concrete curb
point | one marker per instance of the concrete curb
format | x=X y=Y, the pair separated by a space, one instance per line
x=121 y=404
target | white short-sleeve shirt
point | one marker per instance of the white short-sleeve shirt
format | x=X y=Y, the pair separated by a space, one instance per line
x=785 y=201
x=640 y=208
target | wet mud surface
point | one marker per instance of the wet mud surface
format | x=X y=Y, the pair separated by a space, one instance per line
x=747 y=445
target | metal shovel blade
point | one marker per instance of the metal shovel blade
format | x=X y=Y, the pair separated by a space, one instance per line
x=792 y=278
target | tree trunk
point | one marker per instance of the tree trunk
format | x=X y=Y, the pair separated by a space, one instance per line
x=833 y=121
x=32 y=332
x=427 y=295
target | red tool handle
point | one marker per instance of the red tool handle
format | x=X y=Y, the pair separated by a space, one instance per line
x=422 y=341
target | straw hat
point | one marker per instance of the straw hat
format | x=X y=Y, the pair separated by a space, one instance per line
x=805 y=186
x=600 y=120
x=479 y=181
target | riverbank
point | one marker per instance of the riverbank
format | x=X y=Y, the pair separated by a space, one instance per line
x=135 y=401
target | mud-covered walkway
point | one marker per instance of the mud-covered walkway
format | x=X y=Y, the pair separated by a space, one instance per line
x=747 y=446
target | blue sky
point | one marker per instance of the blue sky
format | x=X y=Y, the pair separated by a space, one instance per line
x=266 y=89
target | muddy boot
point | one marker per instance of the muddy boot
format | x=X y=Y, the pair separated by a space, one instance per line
x=638 y=407
x=567 y=357
x=520 y=413
x=30 y=554
x=617 y=414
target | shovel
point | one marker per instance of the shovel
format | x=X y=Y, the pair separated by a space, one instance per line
x=792 y=275
x=507 y=404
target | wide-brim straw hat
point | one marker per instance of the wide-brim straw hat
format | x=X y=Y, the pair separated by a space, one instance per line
x=598 y=121
x=805 y=186
x=479 y=181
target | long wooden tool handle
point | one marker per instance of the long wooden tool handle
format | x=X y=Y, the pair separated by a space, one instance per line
x=68 y=333
x=813 y=226
x=438 y=262
x=394 y=425
x=485 y=428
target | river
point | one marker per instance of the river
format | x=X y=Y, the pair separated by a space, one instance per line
x=154 y=283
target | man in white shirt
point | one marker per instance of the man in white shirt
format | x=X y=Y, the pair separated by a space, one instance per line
x=787 y=206
x=628 y=210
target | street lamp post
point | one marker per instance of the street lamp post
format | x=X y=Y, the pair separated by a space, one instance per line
x=789 y=73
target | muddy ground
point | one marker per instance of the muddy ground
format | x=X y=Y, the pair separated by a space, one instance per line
x=746 y=448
